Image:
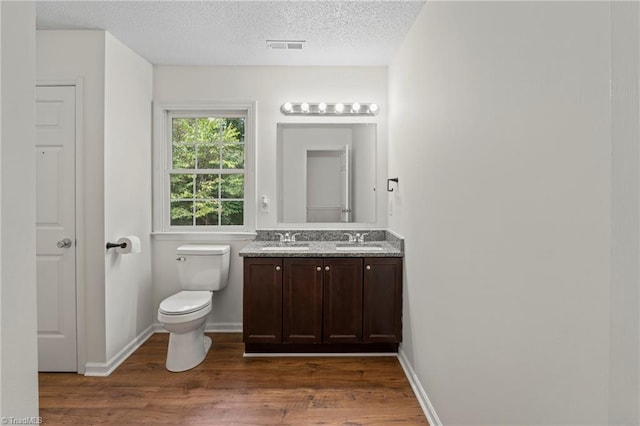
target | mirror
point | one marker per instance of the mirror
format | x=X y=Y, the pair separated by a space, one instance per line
x=326 y=173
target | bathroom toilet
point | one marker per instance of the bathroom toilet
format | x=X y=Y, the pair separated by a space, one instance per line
x=202 y=269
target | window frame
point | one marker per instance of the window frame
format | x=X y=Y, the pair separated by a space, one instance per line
x=162 y=155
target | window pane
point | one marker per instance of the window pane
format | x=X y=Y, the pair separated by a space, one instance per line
x=232 y=186
x=207 y=186
x=205 y=145
x=209 y=129
x=209 y=156
x=183 y=129
x=207 y=212
x=182 y=213
x=233 y=156
x=181 y=186
x=184 y=156
x=233 y=130
x=232 y=213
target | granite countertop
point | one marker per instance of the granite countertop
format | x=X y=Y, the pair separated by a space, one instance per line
x=324 y=246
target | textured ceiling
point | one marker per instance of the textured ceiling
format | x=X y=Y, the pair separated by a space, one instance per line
x=355 y=32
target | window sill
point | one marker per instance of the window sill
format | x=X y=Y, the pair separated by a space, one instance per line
x=204 y=236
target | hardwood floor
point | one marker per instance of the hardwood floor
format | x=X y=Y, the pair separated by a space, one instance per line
x=227 y=389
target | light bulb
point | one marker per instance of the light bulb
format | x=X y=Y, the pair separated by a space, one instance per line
x=339 y=108
x=287 y=107
x=373 y=108
x=355 y=107
x=322 y=107
x=304 y=107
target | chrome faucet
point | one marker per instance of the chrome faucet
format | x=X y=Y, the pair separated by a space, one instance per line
x=287 y=238
x=360 y=237
x=352 y=239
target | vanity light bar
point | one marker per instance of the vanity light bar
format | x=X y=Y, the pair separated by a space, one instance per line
x=306 y=108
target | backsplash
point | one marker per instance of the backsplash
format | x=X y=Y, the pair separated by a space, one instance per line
x=319 y=235
x=331 y=235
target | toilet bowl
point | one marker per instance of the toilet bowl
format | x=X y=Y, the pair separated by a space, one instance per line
x=202 y=270
x=184 y=315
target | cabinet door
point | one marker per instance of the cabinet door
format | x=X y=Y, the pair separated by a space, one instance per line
x=262 y=303
x=302 y=300
x=342 y=320
x=382 y=319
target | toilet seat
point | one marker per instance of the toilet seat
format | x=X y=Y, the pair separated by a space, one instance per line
x=185 y=302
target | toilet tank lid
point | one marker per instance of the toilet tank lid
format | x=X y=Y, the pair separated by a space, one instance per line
x=203 y=250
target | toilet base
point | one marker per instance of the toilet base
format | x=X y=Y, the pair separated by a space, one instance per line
x=187 y=350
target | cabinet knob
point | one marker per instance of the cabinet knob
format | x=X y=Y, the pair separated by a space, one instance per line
x=368 y=267
x=326 y=268
x=278 y=268
x=318 y=268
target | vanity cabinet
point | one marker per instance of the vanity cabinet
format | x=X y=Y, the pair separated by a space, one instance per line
x=302 y=300
x=382 y=316
x=342 y=302
x=262 y=300
x=322 y=304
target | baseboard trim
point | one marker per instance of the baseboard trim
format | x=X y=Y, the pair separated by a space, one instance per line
x=217 y=327
x=223 y=327
x=315 y=354
x=103 y=369
x=418 y=390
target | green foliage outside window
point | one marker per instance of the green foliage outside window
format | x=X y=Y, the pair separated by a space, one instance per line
x=207 y=177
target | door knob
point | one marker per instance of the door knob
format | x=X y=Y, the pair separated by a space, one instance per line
x=64 y=243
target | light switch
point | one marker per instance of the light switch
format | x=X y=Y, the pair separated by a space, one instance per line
x=264 y=204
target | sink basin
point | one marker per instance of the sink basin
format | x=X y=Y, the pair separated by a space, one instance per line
x=358 y=247
x=286 y=247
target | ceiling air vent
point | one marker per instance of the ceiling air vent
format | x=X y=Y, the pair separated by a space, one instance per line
x=286 y=44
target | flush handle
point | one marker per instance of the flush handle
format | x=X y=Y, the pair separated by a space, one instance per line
x=65 y=243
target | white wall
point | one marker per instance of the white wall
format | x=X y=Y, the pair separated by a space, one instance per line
x=72 y=55
x=127 y=193
x=116 y=195
x=624 y=398
x=500 y=136
x=270 y=87
x=18 y=323
x=1 y=205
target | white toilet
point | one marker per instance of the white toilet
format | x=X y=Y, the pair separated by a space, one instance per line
x=202 y=269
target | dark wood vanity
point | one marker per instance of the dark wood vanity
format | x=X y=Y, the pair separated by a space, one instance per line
x=322 y=304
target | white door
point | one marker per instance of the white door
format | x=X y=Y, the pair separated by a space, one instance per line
x=55 y=227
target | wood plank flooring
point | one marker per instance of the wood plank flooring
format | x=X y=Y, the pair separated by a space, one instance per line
x=227 y=389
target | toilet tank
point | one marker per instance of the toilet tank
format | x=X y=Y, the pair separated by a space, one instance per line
x=203 y=267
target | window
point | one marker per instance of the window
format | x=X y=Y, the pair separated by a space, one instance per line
x=206 y=181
